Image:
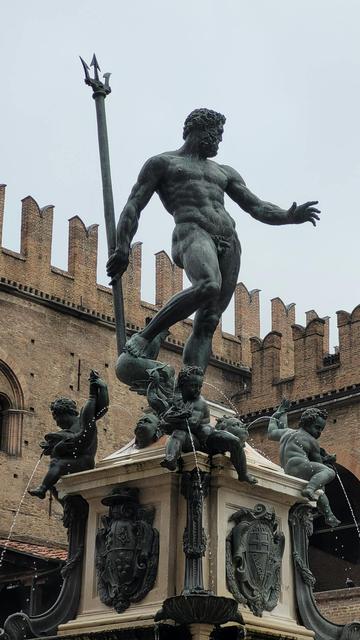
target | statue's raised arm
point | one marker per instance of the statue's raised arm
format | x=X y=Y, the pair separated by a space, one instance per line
x=74 y=447
x=143 y=189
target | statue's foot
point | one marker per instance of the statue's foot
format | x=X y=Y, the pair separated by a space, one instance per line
x=169 y=463
x=38 y=492
x=308 y=493
x=250 y=479
x=332 y=520
x=137 y=345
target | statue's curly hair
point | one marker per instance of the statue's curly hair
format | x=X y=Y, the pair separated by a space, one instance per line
x=64 y=405
x=202 y=119
x=226 y=419
x=309 y=416
x=186 y=372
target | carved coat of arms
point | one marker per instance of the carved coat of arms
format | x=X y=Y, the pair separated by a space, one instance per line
x=127 y=550
x=254 y=550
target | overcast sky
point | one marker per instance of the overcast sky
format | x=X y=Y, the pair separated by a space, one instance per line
x=286 y=73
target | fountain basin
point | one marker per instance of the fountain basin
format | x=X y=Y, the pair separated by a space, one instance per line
x=197 y=608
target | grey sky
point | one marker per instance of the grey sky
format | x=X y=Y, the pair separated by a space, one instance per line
x=286 y=73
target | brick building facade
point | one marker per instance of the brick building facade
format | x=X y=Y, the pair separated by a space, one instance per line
x=57 y=325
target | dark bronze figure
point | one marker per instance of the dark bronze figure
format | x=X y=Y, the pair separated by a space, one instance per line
x=301 y=455
x=205 y=244
x=73 y=448
x=187 y=422
x=127 y=549
x=254 y=550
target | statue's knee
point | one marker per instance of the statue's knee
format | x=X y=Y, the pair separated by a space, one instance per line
x=331 y=474
x=209 y=289
x=209 y=322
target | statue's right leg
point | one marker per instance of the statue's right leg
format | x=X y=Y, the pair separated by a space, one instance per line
x=54 y=473
x=173 y=449
x=321 y=475
x=196 y=251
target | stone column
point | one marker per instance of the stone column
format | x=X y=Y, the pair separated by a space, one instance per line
x=194 y=487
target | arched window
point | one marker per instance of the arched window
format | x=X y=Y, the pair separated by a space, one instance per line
x=334 y=554
x=4 y=413
x=11 y=411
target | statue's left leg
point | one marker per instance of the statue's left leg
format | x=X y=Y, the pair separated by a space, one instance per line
x=321 y=475
x=324 y=508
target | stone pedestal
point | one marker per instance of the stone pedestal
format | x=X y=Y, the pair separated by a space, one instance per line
x=161 y=489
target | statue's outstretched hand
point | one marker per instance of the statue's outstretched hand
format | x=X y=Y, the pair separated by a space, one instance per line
x=297 y=214
x=283 y=407
x=95 y=382
x=117 y=264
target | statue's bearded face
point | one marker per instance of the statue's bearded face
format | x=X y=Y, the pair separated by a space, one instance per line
x=209 y=140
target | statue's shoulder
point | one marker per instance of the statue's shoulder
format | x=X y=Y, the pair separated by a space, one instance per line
x=157 y=164
x=231 y=173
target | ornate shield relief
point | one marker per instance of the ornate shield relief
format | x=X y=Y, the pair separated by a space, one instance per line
x=127 y=550
x=254 y=550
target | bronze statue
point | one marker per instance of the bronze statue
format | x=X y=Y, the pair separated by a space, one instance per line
x=187 y=423
x=73 y=448
x=205 y=244
x=301 y=455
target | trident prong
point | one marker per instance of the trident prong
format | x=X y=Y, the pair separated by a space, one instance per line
x=98 y=87
x=94 y=63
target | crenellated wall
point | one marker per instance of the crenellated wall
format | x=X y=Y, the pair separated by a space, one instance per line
x=31 y=271
x=291 y=360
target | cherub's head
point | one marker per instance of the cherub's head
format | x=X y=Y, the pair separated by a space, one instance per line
x=233 y=425
x=190 y=380
x=146 y=430
x=63 y=411
x=313 y=421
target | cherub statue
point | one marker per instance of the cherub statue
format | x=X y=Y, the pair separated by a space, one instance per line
x=73 y=448
x=187 y=422
x=301 y=455
x=230 y=434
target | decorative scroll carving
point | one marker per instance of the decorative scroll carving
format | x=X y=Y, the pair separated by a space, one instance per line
x=19 y=626
x=301 y=528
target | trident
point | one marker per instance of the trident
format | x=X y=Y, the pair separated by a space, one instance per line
x=100 y=91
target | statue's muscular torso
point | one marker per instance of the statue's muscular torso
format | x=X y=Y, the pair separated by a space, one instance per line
x=192 y=191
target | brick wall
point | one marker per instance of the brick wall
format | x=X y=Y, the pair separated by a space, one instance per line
x=339 y=606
